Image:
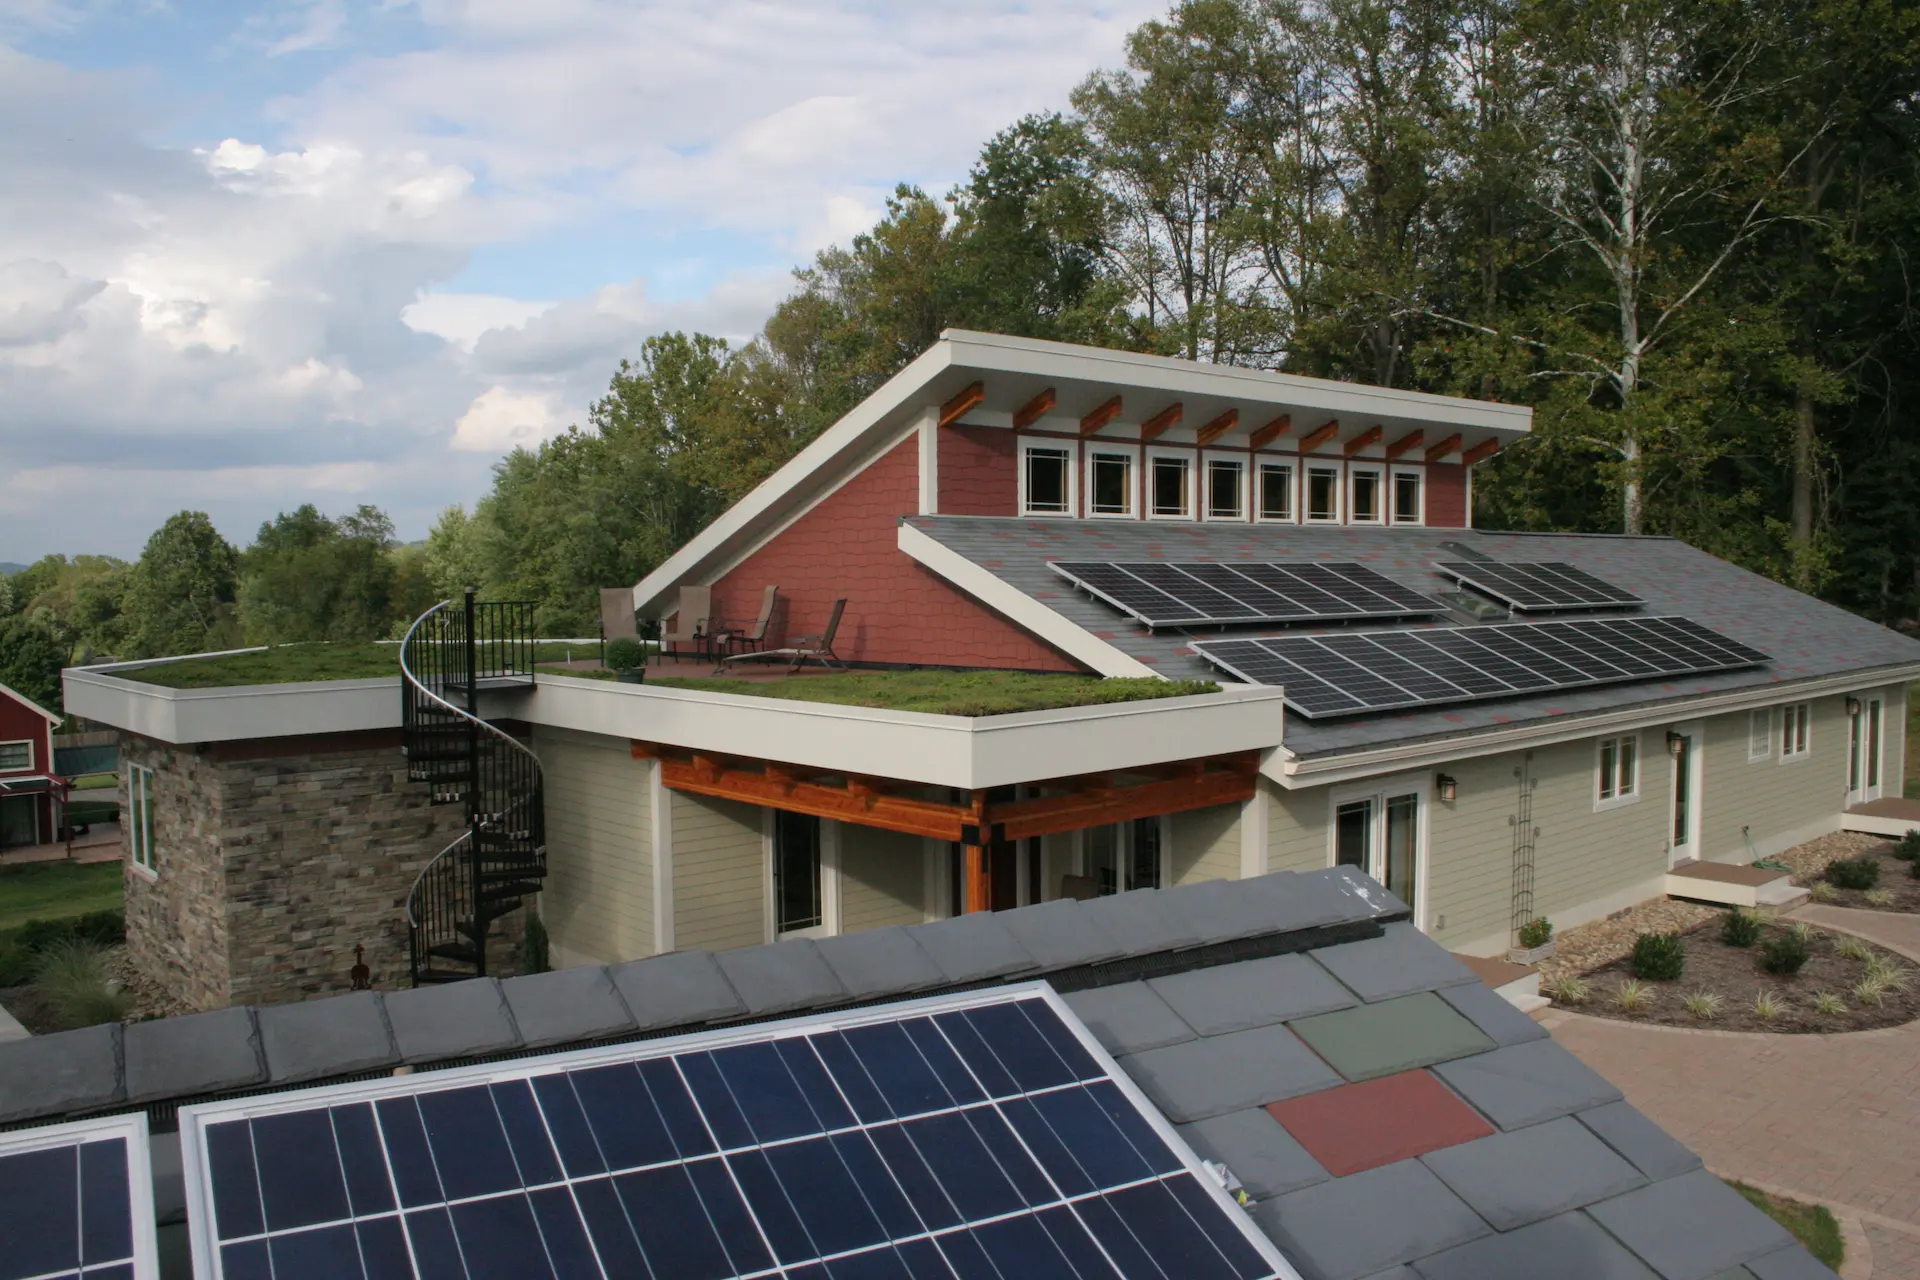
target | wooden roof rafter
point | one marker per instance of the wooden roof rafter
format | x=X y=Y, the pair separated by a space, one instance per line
x=1371 y=436
x=1264 y=436
x=1405 y=444
x=970 y=398
x=1034 y=410
x=1320 y=435
x=1450 y=445
x=1156 y=426
x=1480 y=452
x=1219 y=427
x=1100 y=416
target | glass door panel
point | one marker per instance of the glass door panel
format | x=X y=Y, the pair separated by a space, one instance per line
x=1683 y=797
x=1353 y=835
x=1103 y=858
x=1403 y=843
x=1145 y=859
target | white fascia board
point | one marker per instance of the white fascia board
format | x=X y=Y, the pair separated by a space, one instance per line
x=1020 y=608
x=234 y=712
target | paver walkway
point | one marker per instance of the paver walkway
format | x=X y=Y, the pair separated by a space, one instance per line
x=1832 y=1118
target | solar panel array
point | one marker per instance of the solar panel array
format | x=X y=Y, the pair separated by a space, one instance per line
x=1327 y=675
x=1162 y=593
x=1539 y=588
x=70 y=1196
x=956 y=1138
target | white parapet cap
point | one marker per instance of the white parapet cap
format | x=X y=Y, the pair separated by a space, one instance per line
x=952 y=751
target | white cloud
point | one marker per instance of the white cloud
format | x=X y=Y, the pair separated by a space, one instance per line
x=461 y=318
x=500 y=420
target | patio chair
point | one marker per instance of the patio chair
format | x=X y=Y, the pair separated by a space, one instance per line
x=689 y=622
x=756 y=635
x=819 y=648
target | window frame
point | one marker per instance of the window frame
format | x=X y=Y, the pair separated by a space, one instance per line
x=1188 y=460
x=1760 y=719
x=1098 y=449
x=32 y=755
x=139 y=832
x=1032 y=445
x=828 y=859
x=1258 y=507
x=1306 y=493
x=1239 y=462
x=1419 y=478
x=1124 y=851
x=1608 y=792
x=1796 y=732
x=1381 y=497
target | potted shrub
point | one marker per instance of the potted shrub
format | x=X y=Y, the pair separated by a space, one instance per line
x=1536 y=942
x=627 y=659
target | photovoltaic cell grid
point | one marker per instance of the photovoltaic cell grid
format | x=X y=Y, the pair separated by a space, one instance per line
x=1162 y=593
x=69 y=1198
x=976 y=1140
x=1330 y=675
x=1539 y=588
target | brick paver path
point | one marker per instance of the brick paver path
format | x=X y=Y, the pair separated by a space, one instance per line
x=1834 y=1118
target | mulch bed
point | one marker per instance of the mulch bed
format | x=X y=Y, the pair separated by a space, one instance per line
x=1735 y=974
x=1895 y=877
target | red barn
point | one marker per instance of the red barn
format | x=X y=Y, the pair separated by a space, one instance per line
x=27 y=780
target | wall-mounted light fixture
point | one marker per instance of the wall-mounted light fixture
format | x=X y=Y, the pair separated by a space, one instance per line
x=1853 y=706
x=1448 y=788
x=1676 y=743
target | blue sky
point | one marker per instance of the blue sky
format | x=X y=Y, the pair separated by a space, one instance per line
x=346 y=251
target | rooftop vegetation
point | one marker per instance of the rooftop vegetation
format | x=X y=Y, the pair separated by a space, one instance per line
x=951 y=693
x=293 y=663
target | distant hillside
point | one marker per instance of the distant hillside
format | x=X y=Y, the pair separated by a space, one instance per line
x=8 y=566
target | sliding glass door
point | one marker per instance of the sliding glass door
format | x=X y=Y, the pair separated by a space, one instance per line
x=1379 y=828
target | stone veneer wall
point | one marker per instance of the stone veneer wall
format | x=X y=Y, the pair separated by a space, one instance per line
x=177 y=918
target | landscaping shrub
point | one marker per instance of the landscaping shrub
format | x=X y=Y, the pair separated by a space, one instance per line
x=1536 y=933
x=1908 y=847
x=1854 y=873
x=71 y=978
x=1659 y=957
x=625 y=653
x=1739 y=929
x=1784 y=953
x=19 y=947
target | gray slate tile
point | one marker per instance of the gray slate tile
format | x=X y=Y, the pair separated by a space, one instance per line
x=566 y=1005
x=1253 y=993
x=1512 y=1179
x=455 y=1020
x=1791 y=1263
x=1493 y=1014
x=1732 y=1273
x=972 y=947
x=200 y=1053
x=1265 y=1157
x=1059 y=935
x=1569 y=1247
x=1689 y=1227
x=1305 y=900
x=1527 y=1084
x=1221 y=910
x=779 y=977
x=1399 y=962
x=874 y=962
x=1653 y=1150
x=320 y=1038
x=1218 y=1074
x=1128 y=1018
x=1141 y=922
x=1367 y=894
x=1395 y=1273
x=1355 y=1226
x=69 y=1071
x=680 y=988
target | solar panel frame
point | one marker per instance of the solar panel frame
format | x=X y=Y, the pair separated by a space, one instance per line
x=140 y=1257
x=873 y=1132
x=1538 y=586
x=1170 y=593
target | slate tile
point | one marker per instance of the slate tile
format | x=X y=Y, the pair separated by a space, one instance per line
x=970 y=947
x=1353 y=1227
x=680 y=988
x=453 y=1020
x=1363 y=1126
x=1367 y=894
x=873 y=962
x=1653 y=1150
x=1292 y=901
x=1512 y=1179
x=1265 y=1157
x=1221 y=911
x=567 y=1005
x=1128 y=1018
x=319 y=1038
x=1399 y=962
x=1217 y=1074
x=1689 y=1227
x=65 y=1072
x=1569 y=1247
x=1058 y=935
x=1374 y=1040
x=1527 y=1084
x=1253 y=993
x=198 y=1053
x=1141 y=922
x=1494 y=1014
x=1395 y=1273
x=1791 y=1263
x=1732 y=1273
x=779 y=977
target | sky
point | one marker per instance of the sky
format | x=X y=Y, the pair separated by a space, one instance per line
x=332 y=251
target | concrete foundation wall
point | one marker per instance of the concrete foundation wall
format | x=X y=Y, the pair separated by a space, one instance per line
x=719 y=873
x=597 y=903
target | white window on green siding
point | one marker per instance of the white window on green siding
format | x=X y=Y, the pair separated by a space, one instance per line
x=1796 y=728
x=139 y=825
x=1618 y=774
x=16 y=757
x=1760 y=734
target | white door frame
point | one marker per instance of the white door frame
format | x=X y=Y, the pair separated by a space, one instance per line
x=1380 y=790
x=829 y=880
x=1695 y=731
x=1868 y=756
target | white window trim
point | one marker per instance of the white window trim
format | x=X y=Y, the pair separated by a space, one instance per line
x=1307 y=467
x=1191 y=460
x=1240 y=460
x=1072 y=450
x=1131 y=452
x=19 y=742
x=1381 y=498
x=137 y=822
x=1292 y=464
x=1378 y=790
x=1619 y=799
x=1787 y=712
x=1419 y=508
x=829 y=925
x=1762 y=716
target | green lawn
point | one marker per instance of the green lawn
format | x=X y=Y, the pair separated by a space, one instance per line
x=292 y=663
x=49 y=890
x=1811 y=1224
x=951 y=693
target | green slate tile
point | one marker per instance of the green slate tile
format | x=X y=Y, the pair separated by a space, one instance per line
x=1376 y=1040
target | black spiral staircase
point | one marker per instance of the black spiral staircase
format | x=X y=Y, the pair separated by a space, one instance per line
x=453 y=653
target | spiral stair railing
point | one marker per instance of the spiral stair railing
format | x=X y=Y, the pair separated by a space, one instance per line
x=449 y=655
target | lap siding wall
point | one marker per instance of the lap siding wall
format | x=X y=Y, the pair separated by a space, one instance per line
x=883 y=878
x=1779 y=803
x=597 y=903
x=719 y=873
x=1206 y=845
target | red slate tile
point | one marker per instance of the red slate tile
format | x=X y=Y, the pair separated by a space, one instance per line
x=1363 y=1126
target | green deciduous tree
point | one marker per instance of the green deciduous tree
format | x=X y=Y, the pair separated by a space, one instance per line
x=310 y=577
x=180 y=595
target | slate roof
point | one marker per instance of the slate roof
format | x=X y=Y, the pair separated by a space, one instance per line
x=1388 y=1116
x=1805 y=637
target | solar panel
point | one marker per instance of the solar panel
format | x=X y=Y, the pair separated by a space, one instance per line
x=1162 y=593
x=975 y=1135
x=1347 y=672
x=76 y=1200
x=1539 y=588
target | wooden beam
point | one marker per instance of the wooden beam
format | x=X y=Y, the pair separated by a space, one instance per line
x=893 y=813
x=1219 y=426
x=1320 y=435
x=1053 y=814
x=1405 y=444
x=1370 y=436
x=963 y=404
x=1480 y=452
x=1272 y=431
x=1100 y=417
x=1450 y=445
x=1154 y=427
x=1034 y=410
x=979 y=880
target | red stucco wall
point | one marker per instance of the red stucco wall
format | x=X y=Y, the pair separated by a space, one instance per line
x=978 y=475
x=1446 y=495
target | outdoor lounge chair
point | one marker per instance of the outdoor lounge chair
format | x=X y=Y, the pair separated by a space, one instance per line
x=689 y=622
x=753 y=637
x=819 y=648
